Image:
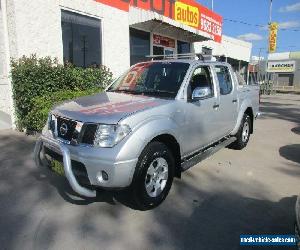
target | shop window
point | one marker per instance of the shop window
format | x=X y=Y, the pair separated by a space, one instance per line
x=285 y=79
x=183 y=47
x=139 y=46
x=158 y=51
x=81 y=40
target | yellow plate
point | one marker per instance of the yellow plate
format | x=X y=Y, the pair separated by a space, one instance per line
x=57 y=167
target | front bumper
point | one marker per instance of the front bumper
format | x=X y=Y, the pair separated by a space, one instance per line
x=95 y=160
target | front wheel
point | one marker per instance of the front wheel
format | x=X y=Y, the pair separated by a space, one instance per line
x=243 y=135
x=153 y=176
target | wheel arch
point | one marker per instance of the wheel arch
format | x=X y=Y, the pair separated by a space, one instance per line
x=249 y=111
x=162 y=130
x=171 y=142
x=244 y=109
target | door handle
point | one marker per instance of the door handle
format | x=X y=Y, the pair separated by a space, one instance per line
x=234 y=101
x=216 y=106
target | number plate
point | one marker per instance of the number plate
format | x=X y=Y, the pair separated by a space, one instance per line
x=57 y=167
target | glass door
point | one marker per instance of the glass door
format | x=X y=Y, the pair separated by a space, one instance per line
x=158 y=50
x=169 y=52
x=163 y=51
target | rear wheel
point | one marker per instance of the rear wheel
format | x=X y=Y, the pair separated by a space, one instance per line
x=243 y=135
x=153 y=176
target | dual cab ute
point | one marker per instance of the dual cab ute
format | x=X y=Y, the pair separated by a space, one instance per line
x=156 y=120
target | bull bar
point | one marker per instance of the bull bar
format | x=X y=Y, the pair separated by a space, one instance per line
x=66 y=163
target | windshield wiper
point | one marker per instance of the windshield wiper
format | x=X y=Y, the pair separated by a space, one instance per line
x=153 y=92
x=124 y=91
x=158 y=92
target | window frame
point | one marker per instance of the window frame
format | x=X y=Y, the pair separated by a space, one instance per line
x=179 y=43
x=85 y=15
x=230 y=74
x=137 y=32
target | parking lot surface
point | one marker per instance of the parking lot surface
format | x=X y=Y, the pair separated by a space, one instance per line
x=252 y=191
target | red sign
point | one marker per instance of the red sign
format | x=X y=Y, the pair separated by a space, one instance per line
x=163 y=41
x=188 y=12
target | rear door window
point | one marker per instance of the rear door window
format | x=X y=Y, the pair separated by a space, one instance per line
x=240 y=79
x=225 y=81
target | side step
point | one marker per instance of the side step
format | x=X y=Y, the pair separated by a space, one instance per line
x=205 y=153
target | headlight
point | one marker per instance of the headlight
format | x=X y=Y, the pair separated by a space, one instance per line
x=108 y=136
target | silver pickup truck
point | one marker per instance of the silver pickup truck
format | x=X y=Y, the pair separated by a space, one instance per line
x=155 y=121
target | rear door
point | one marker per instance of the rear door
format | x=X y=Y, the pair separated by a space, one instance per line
x=228 y=109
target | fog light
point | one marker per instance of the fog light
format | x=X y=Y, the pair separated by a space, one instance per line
x=102 y=176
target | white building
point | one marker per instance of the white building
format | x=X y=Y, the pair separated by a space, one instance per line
x=113 y=33
x=234 y=51
x=283 y=69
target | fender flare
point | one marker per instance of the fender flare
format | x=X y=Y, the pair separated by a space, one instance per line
x=245 y=105
x=143 y=134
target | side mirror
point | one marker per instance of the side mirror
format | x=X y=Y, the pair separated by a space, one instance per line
x=201 y=92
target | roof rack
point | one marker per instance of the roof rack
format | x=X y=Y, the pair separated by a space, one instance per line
x=197 y=56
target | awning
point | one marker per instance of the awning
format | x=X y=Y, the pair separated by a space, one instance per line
x=153 y=22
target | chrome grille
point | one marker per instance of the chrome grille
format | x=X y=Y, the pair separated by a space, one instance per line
x=66 y=129
x=73 y=131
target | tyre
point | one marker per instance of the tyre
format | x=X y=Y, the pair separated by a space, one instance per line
x=243 y=135
x=153 y=176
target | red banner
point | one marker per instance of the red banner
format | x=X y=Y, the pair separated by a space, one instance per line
x=163 y=41
x=188 y=12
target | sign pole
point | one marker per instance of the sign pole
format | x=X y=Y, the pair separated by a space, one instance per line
x=270 y=22
x=270 y=13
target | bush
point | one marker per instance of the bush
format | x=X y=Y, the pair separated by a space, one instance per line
x=37 y=117
x=34 y=77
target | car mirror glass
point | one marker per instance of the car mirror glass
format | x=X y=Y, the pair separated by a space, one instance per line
x=200 y=93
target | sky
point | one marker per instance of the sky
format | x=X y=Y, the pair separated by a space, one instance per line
x=256 y=13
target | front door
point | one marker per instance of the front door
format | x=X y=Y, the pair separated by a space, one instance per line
x=201 y=115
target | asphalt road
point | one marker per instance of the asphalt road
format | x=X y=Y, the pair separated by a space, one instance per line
x=234 y=192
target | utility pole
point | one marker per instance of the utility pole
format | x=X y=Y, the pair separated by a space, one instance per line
x=270 y=12
x=212 y=5
x=270 y=21
x=258 y=68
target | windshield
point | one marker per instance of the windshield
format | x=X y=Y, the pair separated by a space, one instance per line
x=162 y=79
